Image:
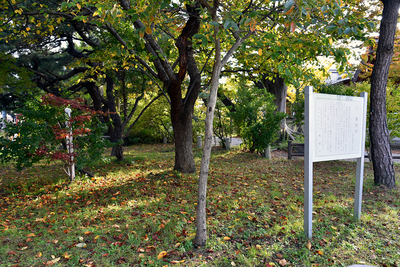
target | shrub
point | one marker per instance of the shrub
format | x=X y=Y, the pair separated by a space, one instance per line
x=255 y=116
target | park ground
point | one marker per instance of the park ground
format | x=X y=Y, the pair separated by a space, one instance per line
x=142 y=213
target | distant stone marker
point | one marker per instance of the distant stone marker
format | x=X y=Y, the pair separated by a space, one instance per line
x=199 y=145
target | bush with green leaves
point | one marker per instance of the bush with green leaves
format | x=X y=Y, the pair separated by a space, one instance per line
x=255 y=117
x=40 y=134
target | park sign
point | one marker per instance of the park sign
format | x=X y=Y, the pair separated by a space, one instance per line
x=335 y=127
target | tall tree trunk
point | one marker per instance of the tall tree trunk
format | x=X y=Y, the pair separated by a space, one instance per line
x=181 y=108
x=183 y=135
x=116 y=129
x=201 y=222
x=181 y=117
x=278 y=88
x=379 y=134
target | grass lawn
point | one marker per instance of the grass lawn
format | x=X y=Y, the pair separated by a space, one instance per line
x=142 y=213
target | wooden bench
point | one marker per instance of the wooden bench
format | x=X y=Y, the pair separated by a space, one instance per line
x=295 y=149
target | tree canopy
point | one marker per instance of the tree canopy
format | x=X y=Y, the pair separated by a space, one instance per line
x=84 y=44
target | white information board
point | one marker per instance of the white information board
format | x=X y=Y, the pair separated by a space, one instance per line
x=335 y=128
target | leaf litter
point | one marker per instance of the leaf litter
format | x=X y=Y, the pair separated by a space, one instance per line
x=145 y=215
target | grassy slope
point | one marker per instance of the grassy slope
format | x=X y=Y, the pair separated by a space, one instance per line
x=132 y=214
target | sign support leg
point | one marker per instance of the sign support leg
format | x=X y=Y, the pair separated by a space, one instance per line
x=360 y=164
x=308 y=166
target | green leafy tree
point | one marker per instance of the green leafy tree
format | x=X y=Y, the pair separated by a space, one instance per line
x=173 y=41
x=238 y=25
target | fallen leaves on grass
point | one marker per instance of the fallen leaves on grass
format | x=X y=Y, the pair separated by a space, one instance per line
x=162 y=254
x=283 y=262
x=52 y=262
x=308 y=245
x=254 y=208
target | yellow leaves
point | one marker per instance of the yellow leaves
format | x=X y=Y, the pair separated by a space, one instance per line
x=40 y=219
x=59 y=19
x=320 y=252
x=226 y=238
x=148 y=30
x=18 y=11
x=39 y=254
x=30 y=235
x=308 y=245
x=258 y=247
x=28 y=29
x=66 y=255
x=176 y=262
x=162 y=254
x=78 y=6
x=260 y=52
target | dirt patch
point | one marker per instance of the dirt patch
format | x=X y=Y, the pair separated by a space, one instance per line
x=279 y=154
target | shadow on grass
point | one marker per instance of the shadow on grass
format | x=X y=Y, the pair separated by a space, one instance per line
x=254 y=214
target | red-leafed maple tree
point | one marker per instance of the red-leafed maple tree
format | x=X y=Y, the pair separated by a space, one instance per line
x=41 y=134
